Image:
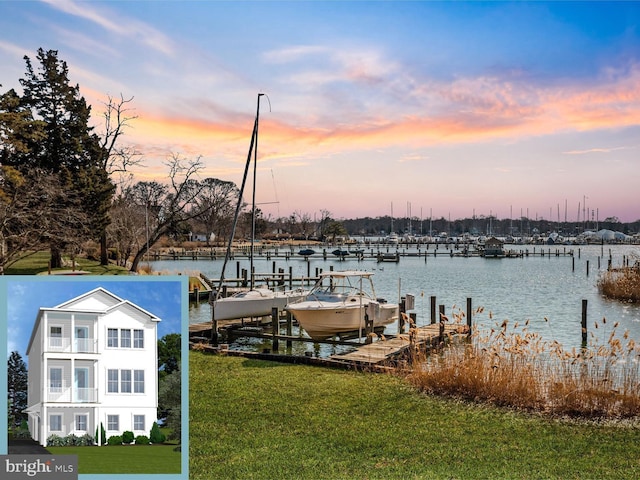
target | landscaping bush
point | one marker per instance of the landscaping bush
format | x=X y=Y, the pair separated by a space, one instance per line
x=115 y=440
x=56 y=441
x=103 y=435
x=22 y=434
x=127 y=437
x=142 y=440
x=156 y=436
x=85 y=440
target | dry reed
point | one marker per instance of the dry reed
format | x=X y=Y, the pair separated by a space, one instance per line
x=512 y=366
x=621 y=283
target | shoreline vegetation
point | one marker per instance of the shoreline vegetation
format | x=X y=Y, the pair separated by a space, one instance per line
x=515 y=368
x=622 y=283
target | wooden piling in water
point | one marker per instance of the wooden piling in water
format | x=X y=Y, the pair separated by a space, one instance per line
x=433 y=309
x=275 y=328
x=441 y=324
x=584 y=322
x=469 y=314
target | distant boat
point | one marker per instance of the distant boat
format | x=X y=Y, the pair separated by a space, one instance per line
x=338 y=303
x=393 y=238
x=388 y=257
x=306 y=252
x=340 y=253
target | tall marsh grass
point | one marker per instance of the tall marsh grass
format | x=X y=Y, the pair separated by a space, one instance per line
x=513 y=366
x=622 y=283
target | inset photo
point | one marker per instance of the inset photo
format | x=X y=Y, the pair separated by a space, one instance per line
x=94 y=369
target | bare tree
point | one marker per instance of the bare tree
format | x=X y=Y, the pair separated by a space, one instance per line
x=30 y=217
x=168 y=207
x=216 y=201
x=117 y=159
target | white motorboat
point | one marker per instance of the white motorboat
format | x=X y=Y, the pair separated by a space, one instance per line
x=258 y=302
x=341 y=302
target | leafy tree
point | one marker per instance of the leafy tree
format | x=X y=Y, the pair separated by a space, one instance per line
x=169 y=402
x=169 y=353
x=17 y=383
x=48 y=129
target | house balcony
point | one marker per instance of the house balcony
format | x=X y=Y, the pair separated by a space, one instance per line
x=72 y=395
x=76 y=345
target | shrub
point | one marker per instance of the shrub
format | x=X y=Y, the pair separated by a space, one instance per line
x=115 y=440
x=127 y=437
x=56 y=441
x=156 y=436
x=22 y=434
x=103 y=435
x=86 y=440
x=142 y=440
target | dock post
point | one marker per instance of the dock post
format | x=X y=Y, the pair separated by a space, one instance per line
x=441 y=324
x=275 y=329
x=573 y=264
x=584 y=323
x=289 y=329
x=433 y=309
x=587 y=268
x=469 y=315
x=196 y=295
x=290 y=277
x=401 y=310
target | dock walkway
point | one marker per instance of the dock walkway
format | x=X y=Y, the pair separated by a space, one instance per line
x=387 y=349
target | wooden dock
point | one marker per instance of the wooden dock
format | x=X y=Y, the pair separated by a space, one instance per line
x=377 y=353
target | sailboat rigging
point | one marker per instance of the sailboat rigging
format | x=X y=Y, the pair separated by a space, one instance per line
x=254 y=302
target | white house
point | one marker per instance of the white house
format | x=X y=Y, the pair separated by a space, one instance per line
x=92 y=361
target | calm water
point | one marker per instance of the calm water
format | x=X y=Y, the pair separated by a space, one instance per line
x=546 y=291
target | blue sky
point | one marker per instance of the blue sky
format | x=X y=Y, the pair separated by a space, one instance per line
x=451 y=108
x=25 y=295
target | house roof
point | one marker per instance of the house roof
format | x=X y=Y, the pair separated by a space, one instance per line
x=99 y=301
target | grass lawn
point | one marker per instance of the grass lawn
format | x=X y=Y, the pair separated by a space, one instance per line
x=39 y=261
x=123 y=459
x=253 y=419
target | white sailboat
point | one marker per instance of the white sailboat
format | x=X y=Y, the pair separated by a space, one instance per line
x=256 y=302
x=338 y=304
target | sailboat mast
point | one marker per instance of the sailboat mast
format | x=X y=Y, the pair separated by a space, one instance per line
x=253 y=197
x=227 y=256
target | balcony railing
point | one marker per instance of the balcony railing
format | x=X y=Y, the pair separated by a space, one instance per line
x=72 y=395
x=76 y=345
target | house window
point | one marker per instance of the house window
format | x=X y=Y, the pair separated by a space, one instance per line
x=55 y=423
x=125 y=338
x=138 y=422
x=125 y=381
x=81 y=423
x=138 y=381
x=113 y=422
x=138 y=339
x=112 y=337
x=112 y=381
x=55 y=337
x=55 y=380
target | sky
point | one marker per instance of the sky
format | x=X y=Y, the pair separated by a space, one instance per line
x=433 y=109
x=25 y=295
